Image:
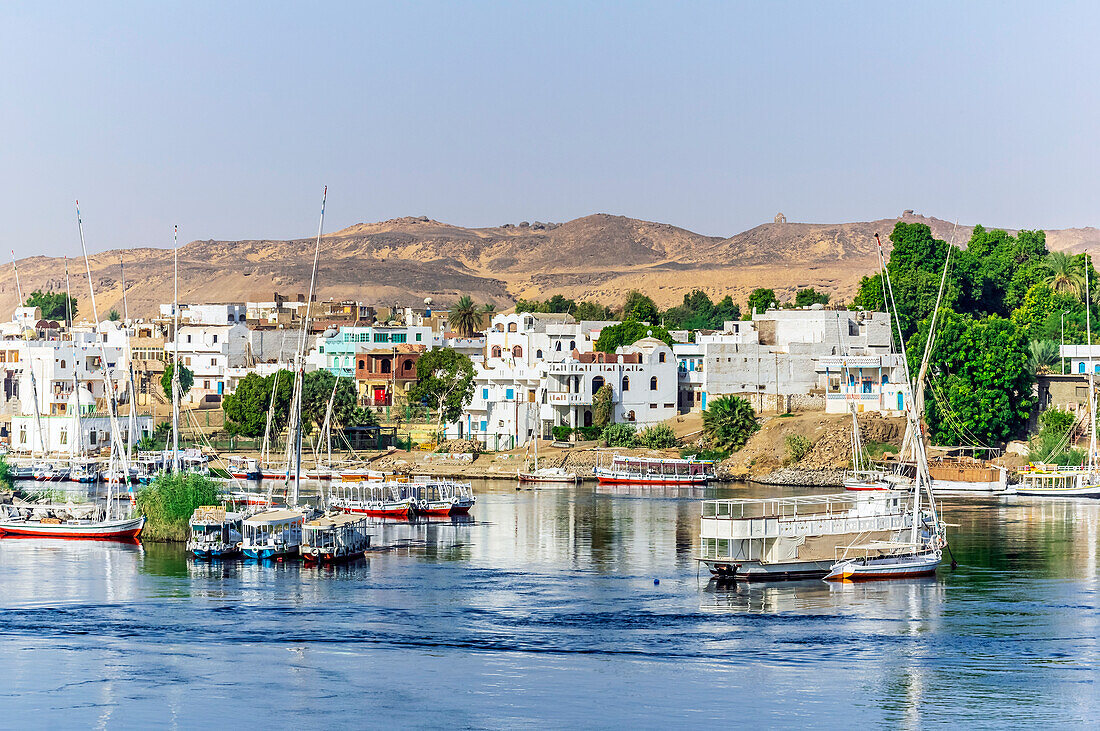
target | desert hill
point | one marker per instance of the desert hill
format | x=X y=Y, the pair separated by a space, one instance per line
x=403 y=260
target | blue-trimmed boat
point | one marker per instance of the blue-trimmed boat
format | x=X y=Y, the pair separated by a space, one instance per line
x=272 y=534
x=214 y=533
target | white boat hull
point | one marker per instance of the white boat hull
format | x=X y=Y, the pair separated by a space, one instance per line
x=885 y=567
x=959 y=486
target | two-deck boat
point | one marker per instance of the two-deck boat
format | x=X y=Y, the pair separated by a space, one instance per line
x=654 y=471
x=335 y=538
x=272 y=534
x=244 y=468
x=1048 y=480
x=215 y=533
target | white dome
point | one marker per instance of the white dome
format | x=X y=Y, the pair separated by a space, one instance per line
x=83 y=397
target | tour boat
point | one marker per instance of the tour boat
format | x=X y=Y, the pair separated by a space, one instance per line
x=443 y=498
x=243 y=497
x=244 y=468
x=273 y=471
x=111 y=530
x=907 y=561
x=50 y=472
x=654 y=471
x=214 y=533
x=361 y=475
x=334 y=539
x=1046 y=480
x=381 y=499
x=272 y=534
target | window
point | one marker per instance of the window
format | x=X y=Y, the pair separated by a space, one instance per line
x=213 y=361
x=398 y=338
x=484 y=424
x=653 y=383
x=418 y=337
x=216 y=337
x=834 y=384
x=485 y=396
x=495 y=351
x=509 y=394
x=538 y=353
x=669 y=406
x=885 y=379
x=64 y=436
x=206 y=384
x=557 y=346
x=626 y=383
x=597 y=384
x=23 y=435
x=187 y=360
x=630 y=415
x=380 y=338
x=407 y=365
x=512 y=327
x=385 y=365
x=188 y=338
x=1081 y=367
x=517 y=352
x=62 y=364
x=660 y=357
x=653 y=406
x=362 y=364
x=572 y=345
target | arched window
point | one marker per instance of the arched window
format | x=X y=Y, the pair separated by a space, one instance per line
x=557 y=346
x=1081 y=367
x=407 y=365
x=885 y=379
x=653 y=383
x=597 y=383
x=572 y=345
x=660 y=357
x=511 y=327
x=495 y=351
x=386 y=366
x=517 y=352
x=626 y=383
x=538 y=353
x=587 y=417
x=362 y=364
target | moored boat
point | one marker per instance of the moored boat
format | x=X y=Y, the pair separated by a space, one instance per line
x=335 y=538
x=272 y=534
x=545 y=475
x=214 y=533
x=122 y=529
x=654 y=471
x=443 y=498
x=905 y=561
x=380 y=499
x=961 y=474
x=244 y=468
x=1046 y=480
x=51 y=472
x=84 y=470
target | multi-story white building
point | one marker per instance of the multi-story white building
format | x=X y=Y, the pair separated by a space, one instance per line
x=209 y=351
x=225 y=313
x=56 y=363
x=528 y=338
x=58 y=433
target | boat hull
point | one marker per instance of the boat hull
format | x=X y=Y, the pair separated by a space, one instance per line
x=724 y=570
x=651 y=480
x=890 y=567
x=547 y=480
x=314 y=556
x=445 y=509
x=1089 y=491
x=110 y=530
x=210 y=554
x=265 y=553
x=383 y=511
x=960 y=486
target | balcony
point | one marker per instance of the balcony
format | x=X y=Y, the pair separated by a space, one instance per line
x=568 y=399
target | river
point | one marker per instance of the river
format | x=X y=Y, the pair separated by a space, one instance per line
x=544 y=610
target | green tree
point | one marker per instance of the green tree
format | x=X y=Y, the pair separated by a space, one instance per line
x=810 y=296
x=6 y=480
x=602 y=405
x=980 y=381
x=445 y=382
x=317 y=390
x=1043 y=356
x=113 y=316
x=657 y=436
x=625 y=333
x=1040 y=315
x=187 y=380
x=619 y=435
x=52 y=304
x=1051 y=444
x=726 y=309
x=761 y=299
x=246 y=408
x=1065 y=273
x=640 y=308
x=592 y=311
x=728 y=422
x=464 y=317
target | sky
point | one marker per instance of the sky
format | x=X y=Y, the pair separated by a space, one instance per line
x=228 y=118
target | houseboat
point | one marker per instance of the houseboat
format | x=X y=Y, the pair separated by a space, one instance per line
x=381 y=499
x=798 y=537
x=335 y=538
x=272 y=534
x=215 y=533
x=244 y=468
x=654 y=471
x=443 y=498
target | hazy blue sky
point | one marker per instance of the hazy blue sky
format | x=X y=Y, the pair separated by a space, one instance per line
x=229 y=117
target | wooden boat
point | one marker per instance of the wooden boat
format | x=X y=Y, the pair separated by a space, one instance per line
x=545 y=475
x=244 y=468
x=380 y=499
x=272 y=534
x=215 y=533
x=967 y=475
x=123 y=529
x=654 y=471
x=906 y=560
x=84 y=470
x=334 y=539
x=443 y=498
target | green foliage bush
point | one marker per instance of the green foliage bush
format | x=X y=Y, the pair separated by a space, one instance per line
x=657 y=436
x=561 y=432
x=170 y=499
x=589 y=433
x=1050 y=445
x=626 y=333
x=6 y=481
x=620 y=435
x=798 y=447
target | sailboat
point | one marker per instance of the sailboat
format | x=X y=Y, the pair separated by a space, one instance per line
x=922 y=553
x=546 y=475
x=862 y=476
x=110 y=526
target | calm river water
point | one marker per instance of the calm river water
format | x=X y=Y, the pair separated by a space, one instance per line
x=543 y=611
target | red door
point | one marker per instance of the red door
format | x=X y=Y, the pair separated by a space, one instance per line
x=379 y=395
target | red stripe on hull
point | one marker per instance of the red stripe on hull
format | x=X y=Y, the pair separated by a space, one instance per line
x=382 y=512
x=128 y=535
x=643 y=481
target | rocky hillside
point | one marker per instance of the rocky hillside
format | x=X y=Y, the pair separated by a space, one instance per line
x=406 y=259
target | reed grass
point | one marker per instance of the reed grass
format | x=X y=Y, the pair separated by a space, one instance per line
x=168 y=502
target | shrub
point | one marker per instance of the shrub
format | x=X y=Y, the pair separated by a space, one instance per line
x=714 y=455
x=561 y=433
x=1050 y=444
x=6 y=481
x=168 y=502
x=589 y=433
x=729 y=421
x=798 y=447
x=620 y=435
x=657 y=436
x=602 y=405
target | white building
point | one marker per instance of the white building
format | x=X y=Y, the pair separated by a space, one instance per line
x=59 y=433
x=529 y=338
x=209 y=351
x=1082 y=358
x=225 y=313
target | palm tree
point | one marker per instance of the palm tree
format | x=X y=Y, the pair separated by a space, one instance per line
x=729 y=421
x=464 y=317
x=1043 y=356
x=1064 y=273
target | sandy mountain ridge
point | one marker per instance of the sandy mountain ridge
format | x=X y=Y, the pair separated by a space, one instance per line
x=598 y=257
